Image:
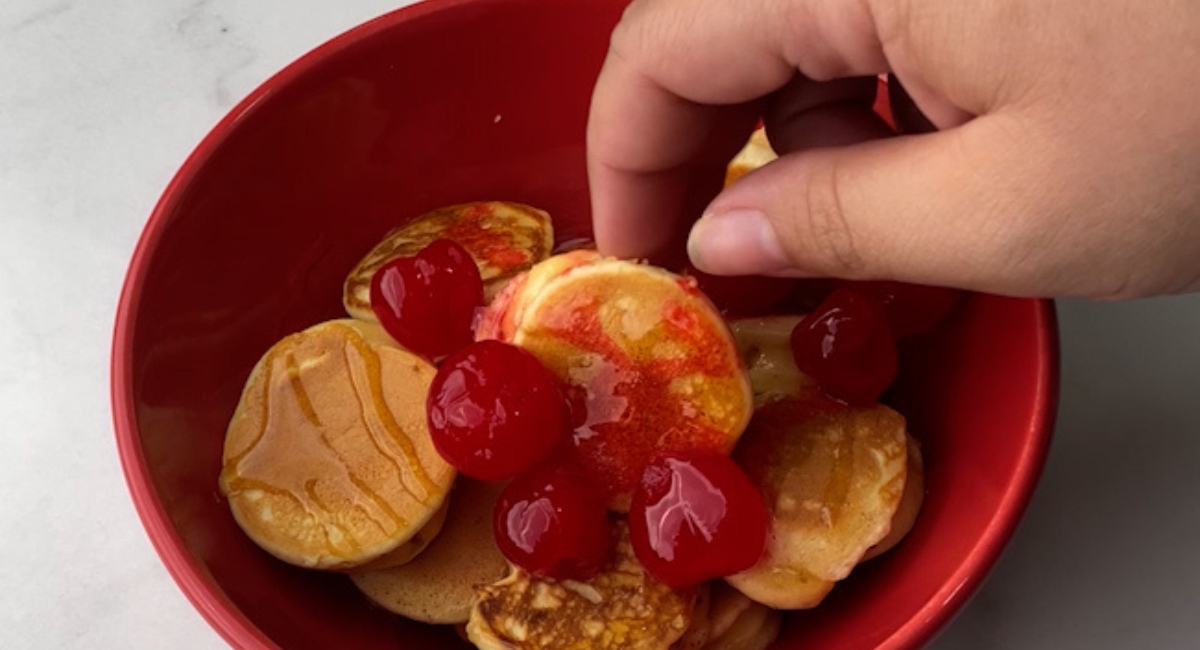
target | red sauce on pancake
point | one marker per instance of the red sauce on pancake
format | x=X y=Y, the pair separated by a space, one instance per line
x=495 y=247
x=631 y=411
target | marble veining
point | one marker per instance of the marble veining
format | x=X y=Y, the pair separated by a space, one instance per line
x=36 y=16
x=207 y=33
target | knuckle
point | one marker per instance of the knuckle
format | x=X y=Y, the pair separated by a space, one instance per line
x=645 y=29
x=828 y=233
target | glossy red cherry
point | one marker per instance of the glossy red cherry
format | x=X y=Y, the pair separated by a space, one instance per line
x=550 y=522
x=493 y=410
x=847 y=347
x=910 y=309
x=427 y=302
x=696 y=516
x=742 y=295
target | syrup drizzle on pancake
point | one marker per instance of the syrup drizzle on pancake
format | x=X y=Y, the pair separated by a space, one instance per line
x=351 y=464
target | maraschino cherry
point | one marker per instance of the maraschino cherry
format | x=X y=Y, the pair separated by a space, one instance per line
x=494 y=411
x=696 y=516
x=846 y=345
x=427 y=302
x=550 y=522
x=909 y=309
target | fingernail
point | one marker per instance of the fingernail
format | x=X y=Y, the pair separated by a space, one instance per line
x=736 y=242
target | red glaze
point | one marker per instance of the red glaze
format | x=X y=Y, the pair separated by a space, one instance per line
x=742 y=295
x=549 y=522
x=910 y=309
x=337 y=147
x=428 y=302
x=494 y=411
x=494 y=247
x=847 y=347
x=631 y=394
x=694 y=517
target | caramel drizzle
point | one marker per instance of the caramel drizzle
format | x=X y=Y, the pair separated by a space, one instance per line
x=310 y=491
x=232 y=482
x=306 y=407
x=374 y=367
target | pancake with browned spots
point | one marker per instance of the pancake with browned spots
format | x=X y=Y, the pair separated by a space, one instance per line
x=621 y=608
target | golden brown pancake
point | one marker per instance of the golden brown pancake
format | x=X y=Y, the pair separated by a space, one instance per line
x=642 y=349
x=439 y=585
x=725 y=619
x=413 y=547
x=620 y=608
x=911 y=499
x=832 y=477
x=726 y=605
x=503 y=238
x=755 y=154
x=700 y=630
x=765 y=344
x=754 y=628
x=324 y=467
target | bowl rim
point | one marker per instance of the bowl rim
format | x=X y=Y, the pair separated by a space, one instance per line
x=966 y=579
x=209 y=599
x=205 y=595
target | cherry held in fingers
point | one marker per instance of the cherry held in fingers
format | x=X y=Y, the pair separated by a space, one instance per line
x=847 y=347
x=909 y=309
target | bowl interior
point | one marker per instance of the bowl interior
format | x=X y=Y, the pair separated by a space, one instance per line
x=441 y=103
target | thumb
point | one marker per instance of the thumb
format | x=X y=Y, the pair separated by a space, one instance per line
x=958 y=208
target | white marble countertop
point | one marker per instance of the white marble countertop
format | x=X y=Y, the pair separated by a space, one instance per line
x=99 y=104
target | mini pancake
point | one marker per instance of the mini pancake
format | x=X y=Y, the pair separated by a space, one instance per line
x=725 y=619
x=755 y=154
x=832 y=478
x=439 y=585
x=765 y=344
x=620 y=608
x=504 y=239
x=910 y=503
x=648 y=363
x=323 y=467
x=755 y=628
x=700 y=630
x=413 y=547
x=726 y=605
x=501 y=319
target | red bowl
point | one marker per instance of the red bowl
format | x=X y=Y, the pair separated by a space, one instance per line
x=439 y=103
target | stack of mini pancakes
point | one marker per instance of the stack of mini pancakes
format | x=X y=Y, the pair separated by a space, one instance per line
x=329 y=465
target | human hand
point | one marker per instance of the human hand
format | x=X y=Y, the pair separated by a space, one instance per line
x=1067 y=160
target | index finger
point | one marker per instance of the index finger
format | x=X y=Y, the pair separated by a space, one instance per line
x=674 y=90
